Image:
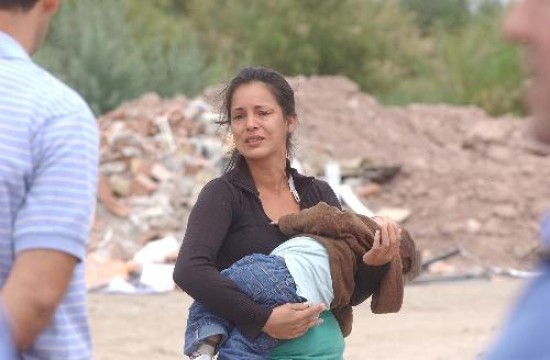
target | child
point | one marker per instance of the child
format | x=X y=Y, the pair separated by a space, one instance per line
x=318 y=267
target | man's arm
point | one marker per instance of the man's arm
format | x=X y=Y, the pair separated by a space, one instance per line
x=33 y=290
x=51 y=228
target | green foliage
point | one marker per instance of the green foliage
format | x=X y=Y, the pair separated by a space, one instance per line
x=448 y=14
x=398 y=50
x=482 y=69
x=373 y=42
x=489 y=7
x=470 y=65
x=112 y=51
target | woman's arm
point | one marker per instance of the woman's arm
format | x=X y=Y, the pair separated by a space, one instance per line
x=195 y=271
x=289 y=321
x=376 y=261
x=367 y=277
x=367 y=281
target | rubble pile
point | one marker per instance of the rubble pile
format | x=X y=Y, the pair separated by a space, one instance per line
x=467 y=179
x=155 y=157
x=457 y=176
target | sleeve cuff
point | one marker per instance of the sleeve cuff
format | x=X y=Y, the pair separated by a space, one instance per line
x=49 y=242
x=253 y=329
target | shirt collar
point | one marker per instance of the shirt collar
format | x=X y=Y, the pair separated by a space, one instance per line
x=241 y=177
x=10 y=48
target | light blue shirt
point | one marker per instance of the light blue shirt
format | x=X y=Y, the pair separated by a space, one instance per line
x=307 y=261
x=545 y=232
x=48 y=179
x=525 y=334
x=7 y=351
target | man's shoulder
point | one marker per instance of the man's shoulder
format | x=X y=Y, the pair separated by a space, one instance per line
x=39 y=88
x=59 y=95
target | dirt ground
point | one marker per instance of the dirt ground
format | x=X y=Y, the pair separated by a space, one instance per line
x=451 y=321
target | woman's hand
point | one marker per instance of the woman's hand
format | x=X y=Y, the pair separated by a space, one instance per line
x=293 y=320
x=386 y=243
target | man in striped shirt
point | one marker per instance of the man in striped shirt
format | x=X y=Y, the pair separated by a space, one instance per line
x=48 y=175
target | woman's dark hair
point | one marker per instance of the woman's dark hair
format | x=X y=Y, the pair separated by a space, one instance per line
x=279 y=87
x=24 y=5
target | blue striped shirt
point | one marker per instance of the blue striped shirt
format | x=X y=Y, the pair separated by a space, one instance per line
x=48 y=178
x=7 y=351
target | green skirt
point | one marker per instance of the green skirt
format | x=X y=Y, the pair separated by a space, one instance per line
x=322 y=342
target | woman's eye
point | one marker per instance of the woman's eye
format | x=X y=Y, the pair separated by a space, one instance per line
x=264 y=113
x=237 y=117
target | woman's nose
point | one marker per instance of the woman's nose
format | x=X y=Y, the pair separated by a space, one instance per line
x=251 y=122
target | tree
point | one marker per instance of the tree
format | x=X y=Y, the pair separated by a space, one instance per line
x=449 y=14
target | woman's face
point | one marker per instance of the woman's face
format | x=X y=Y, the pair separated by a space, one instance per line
x=258 y=124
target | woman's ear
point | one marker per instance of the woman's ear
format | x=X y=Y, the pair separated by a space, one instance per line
x=292 y=122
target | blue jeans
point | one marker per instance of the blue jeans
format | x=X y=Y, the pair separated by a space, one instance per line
x=525 y=335
x=266 y=279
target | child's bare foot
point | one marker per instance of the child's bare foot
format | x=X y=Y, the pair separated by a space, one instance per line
x=207 y=349
x=213 y=340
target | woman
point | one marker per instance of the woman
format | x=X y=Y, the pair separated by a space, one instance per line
x=235 y=214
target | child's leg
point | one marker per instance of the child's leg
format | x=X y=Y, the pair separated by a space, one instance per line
x=267 y=281
x=265 y=278
x=204 y=328
x=239 y=347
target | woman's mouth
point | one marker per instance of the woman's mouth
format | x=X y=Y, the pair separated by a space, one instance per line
x=253 y=140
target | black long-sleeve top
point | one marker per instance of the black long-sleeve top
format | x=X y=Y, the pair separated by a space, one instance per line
x=228 y=223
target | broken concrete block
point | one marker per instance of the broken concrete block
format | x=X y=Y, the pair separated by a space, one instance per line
x=160 y=173
x=398 y=215
x=108 y=199
x=143 y=185
x=368 y=190
x=131 y=151
x=113 y=167
x=142 y=126
x=120 y=185
x=157 y=251
x=101 y=270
